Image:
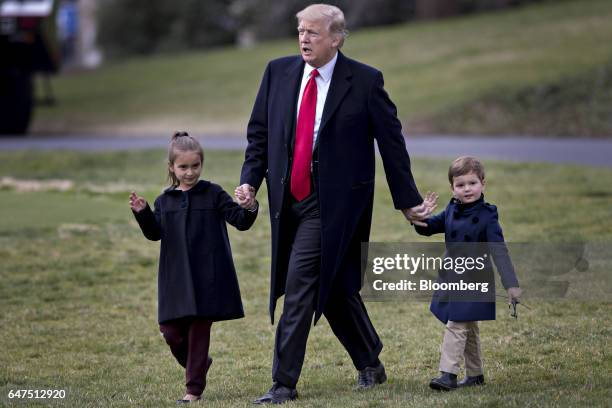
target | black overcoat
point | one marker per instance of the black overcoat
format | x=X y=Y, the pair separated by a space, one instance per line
x=357 y=111
x=196 y=271
x=476 y=222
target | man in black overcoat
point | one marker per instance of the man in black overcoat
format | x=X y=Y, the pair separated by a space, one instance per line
x=311 y=136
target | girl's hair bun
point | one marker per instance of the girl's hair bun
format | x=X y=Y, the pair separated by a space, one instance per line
x=178 y=134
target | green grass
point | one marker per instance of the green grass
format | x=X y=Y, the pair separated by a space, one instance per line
x=78 y=295
x=429 y=68
x=574 y=105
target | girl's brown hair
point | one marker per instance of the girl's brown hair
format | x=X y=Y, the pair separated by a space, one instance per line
x=181 y=142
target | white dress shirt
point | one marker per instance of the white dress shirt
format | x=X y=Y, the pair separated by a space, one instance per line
x=323 y=82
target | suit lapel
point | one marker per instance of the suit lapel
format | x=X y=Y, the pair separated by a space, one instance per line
x=293 y=77
x=340 y=85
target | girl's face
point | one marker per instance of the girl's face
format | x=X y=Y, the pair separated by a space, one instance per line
x=467 y=188
x=187 y=167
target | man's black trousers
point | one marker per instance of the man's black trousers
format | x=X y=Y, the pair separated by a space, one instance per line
x=347 y=316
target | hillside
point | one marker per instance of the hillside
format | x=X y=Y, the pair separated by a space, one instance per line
x=454 y=76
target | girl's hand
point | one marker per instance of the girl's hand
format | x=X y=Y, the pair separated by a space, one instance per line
x=245 y=196
x=137 y=204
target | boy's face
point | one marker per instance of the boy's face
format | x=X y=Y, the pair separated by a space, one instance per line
x=187 y=167
x=467 y=188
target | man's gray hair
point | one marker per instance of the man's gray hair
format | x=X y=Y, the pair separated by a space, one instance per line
x=328 y=13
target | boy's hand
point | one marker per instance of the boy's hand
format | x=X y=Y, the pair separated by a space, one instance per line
x=421 y=212
x=431 y=200
x=514 y=293
x=417 y=214
x=137 y=204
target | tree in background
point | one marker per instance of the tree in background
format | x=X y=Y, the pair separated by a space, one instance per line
x=148 y=26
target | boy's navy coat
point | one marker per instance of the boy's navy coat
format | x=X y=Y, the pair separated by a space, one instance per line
x=196 y=272
x=357 y=111
x=473 y=222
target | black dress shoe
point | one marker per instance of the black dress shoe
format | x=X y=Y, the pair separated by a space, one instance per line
x=370 y=376
x=445 y=382
x=470 y=381
x=278 y=394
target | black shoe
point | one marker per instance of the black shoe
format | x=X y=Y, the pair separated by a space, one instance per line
x=278 y=394
x=445 y=382
x=370 y=376
x=470 y=381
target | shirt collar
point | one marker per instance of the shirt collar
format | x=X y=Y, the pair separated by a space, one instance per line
x=325 y=72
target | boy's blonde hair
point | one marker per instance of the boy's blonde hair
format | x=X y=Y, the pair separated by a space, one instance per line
x=181 y=142
x=464 y=165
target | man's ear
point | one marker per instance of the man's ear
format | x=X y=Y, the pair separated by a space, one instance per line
x=337 y=41
x=170 y=169
x=483 y=184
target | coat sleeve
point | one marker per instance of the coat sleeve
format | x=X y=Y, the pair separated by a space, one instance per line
x=387 y=130
x=150 y=221
x=435 y=225
x=239 y=217
x=499 y=252
x=255 y=163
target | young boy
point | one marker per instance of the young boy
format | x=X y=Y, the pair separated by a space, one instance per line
x=467 y=218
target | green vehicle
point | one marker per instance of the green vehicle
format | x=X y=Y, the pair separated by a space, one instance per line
x=28 y=46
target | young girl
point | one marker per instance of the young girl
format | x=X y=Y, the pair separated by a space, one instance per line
x=197 y=282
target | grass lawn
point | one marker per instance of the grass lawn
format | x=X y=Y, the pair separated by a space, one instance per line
x=78 y=295
x=430 y=69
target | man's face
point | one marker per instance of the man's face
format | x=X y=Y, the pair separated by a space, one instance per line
x=317 y=45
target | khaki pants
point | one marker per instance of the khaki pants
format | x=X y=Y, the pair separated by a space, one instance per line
x=461 y=341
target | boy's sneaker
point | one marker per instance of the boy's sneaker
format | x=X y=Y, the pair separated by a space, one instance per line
x=445 y=382
x=471 y=381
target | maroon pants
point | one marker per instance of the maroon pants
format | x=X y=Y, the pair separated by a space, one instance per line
x=189 y=339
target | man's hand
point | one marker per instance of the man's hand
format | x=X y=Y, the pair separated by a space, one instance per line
x=245 y=196
x=514 y=293
x=418 y=214
x=137 y=204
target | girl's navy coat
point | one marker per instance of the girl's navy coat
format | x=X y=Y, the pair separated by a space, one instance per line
x=196 y=271
x=473 y=222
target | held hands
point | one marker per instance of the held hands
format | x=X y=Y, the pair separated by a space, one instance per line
x=137 y=204
x=245 y=196
x=421 y=212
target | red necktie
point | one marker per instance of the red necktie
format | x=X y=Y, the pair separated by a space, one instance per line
x=304 y=134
